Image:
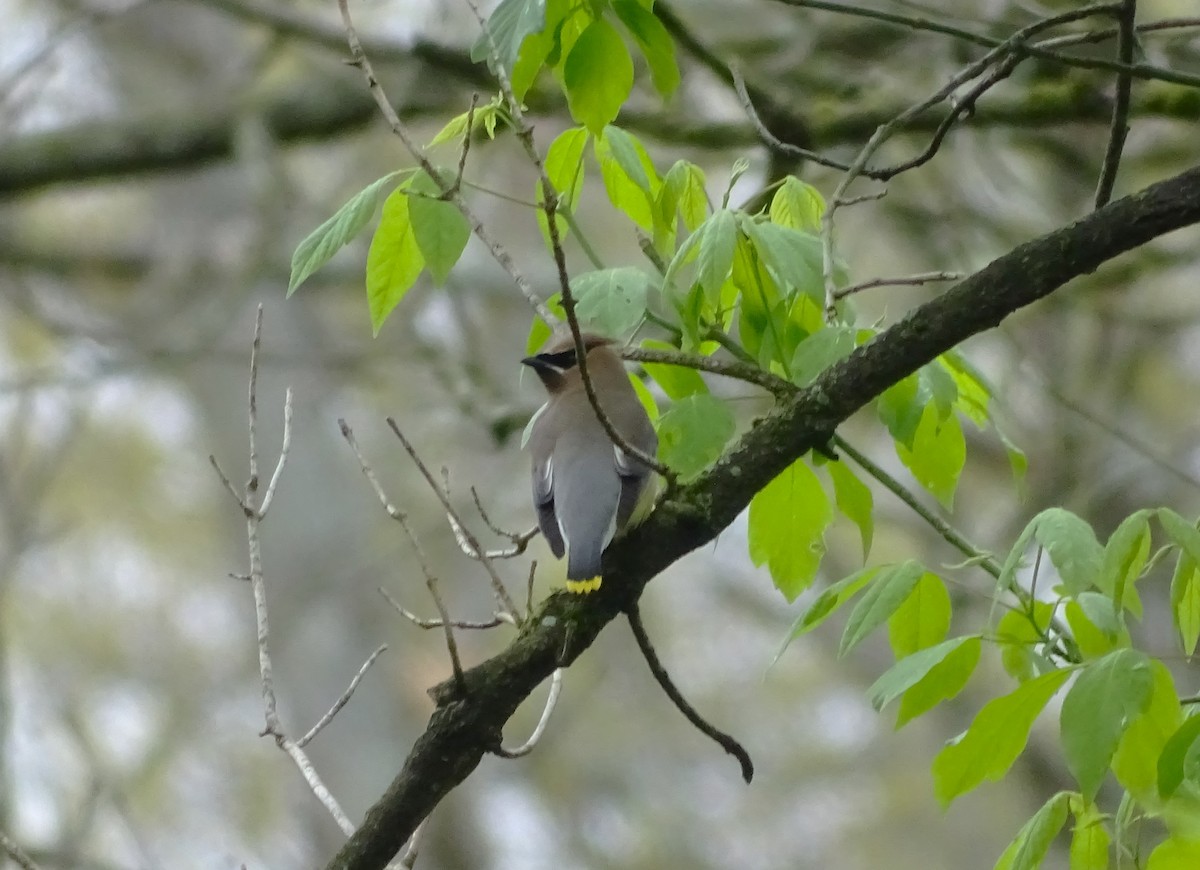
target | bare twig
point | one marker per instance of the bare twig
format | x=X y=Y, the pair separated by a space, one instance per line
x=498 y=251
x=900 y=281
x=368 y=472
x=418 y=621
x=343 y=700
x=729 y=744
x=551 y=702
x=431 y=583
x=19 y=855
x=466 y=147
x=741 y=371
x=477 y=551
x=254 y=512
x=1126 y=37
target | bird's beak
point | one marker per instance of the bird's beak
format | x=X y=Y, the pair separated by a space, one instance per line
x=536 y=363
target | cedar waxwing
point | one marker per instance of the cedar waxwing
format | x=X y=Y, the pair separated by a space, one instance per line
x=586 y=489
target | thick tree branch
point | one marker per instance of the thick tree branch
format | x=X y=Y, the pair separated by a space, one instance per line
x=467 y=724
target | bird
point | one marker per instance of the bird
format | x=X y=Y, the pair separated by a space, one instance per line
x=586 y=489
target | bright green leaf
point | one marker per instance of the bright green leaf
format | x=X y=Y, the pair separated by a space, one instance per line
x=923 y=619
x=788 y=518
x=909 y=671
x=995 y=738
x=1089 y=843
x=938 y=454
x=973 y=392
x=797 y=205
x=900 y=410
x=854 y=499
x=394 y=260
x=630 y=155
x=438 y=226
x=1182 y=533
x=612 y=301
x=684 y=193
x=1033 y=841
x=793 y=258
x=1106 y=697
x=715 y=257
x=693 y=433
x=1125 y=555
x=597 y=76
x=1136 y=760
x=678 y=382
x=947 y=678
x=455 y=130
x=1018 y=638
x=654 y=41
x=1094 y=624
x=1069 y=541
x=831 y=598
x=645 y=397
x=1175 y=854
x=1174 y=754
x=564 y=165
x=942 y=388
x=1185 y=602
x=327 y=239
x=886 y=593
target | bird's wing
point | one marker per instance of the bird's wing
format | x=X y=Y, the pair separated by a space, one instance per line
x=543 y=502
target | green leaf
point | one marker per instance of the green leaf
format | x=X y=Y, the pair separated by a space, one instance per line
x=1017 y=461
x=613 y=301
x=995 y=738
x=972 y=392
x=394 y=260
x=909 y=671
x=1096 y=628
x=1106 y=697
x=900 y=409
x=326 y=240
x=718 y=237
x=1136 y=760
x=645 y=397
x=1182 y=533
x=854 y=499
x=597 y=76
x=1125 y=555
x=938 y=454
x=631 y=156
x=564 y=165
x=1033 y=841
x=947 y=678
x=508 y=25
x=821 y=350
x=693 y=433
x=684 y=193
x=788 y=518
x=455 y=130
x=678 y=382
x=1069 y=541
x=1018 y=638
x=887 y=592
x=1185 y=602
x=923 y=619
x=654 y=41
x=635 y=194
x=438 y=226
x=793 y=258
x=798 y=206
x=1174 y=754
x=1175 y=854
x=824 y=605
x=942 y=388
x=1089 y=843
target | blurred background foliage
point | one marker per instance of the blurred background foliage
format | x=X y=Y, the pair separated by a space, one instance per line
x=159 y=161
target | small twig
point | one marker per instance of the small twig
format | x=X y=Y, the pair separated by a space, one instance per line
x=368 y=472
x=529 y=589
x=774 y=142
x=735 y=369
x=19 y=855
x=520 y=540
x=284 y=449
x=1126 y=38
x=342 y=700
x=874 y=196
x=901 y=281
x=480 y=554
x=431 y=584
x=498 y=251
x=418 y=621
x=551 y=702
x=254 y=512
x=729 y=744
x=462 y=154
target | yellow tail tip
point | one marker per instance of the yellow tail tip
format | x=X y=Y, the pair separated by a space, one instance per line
x=583 y=587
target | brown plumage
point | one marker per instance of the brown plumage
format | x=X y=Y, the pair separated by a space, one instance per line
x=585 y=489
